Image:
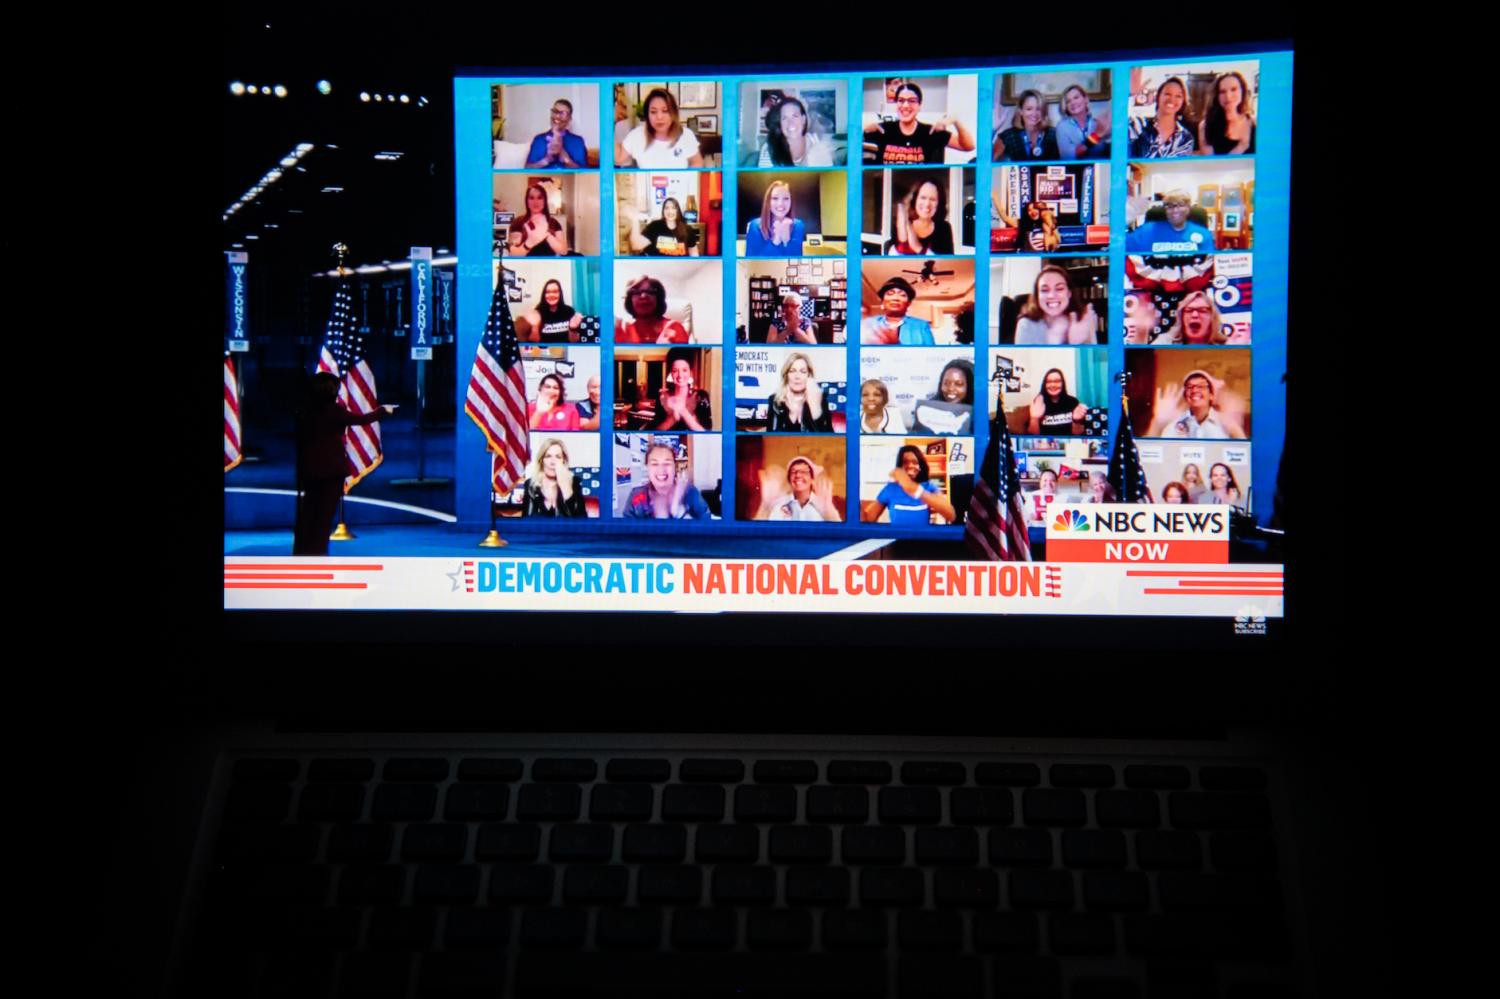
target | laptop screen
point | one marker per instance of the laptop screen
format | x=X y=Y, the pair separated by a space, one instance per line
x=952 y=339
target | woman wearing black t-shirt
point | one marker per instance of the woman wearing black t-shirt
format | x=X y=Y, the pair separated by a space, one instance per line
x=668 y=236
x=1054 y=413
x=553 y=320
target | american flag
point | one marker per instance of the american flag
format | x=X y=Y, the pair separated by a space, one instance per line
x=497 y=394
x=1126 y=476
x=343 y=354
x=232 y=455
x=995 y=528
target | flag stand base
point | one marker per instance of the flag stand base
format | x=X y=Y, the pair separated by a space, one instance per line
x=493 y=540
x=342 y=533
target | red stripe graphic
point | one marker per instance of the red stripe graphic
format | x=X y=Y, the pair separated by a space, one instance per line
x=278 y=575
x=1233 y=593
x=1195 y=573
x=304 y=567
x=295 y=586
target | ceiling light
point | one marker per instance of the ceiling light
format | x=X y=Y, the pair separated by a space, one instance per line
x=280 y=90
x=324 y=87
x=289 y=161
x=405 y=99
x=253 y=89
x=237 y=88
x=421 y=102
x=251 y=235
x=364 y=96
x=378 y=97
x=332 y=190
x=303 y=148
x=273 y=225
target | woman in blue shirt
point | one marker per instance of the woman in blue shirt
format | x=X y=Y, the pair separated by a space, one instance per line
x=777 y=232
x=910 y=496
x=1079 y=134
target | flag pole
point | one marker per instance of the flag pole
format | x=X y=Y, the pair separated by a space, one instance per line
x=341 y=532
x=493 y=539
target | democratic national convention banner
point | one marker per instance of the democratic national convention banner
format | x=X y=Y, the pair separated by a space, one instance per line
x=1251 y=592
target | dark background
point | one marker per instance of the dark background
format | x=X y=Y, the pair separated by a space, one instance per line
x=184 y=668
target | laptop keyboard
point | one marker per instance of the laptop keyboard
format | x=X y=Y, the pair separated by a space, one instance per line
x=501 y=876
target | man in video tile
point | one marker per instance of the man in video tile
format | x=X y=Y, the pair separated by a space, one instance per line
x=1176 y=234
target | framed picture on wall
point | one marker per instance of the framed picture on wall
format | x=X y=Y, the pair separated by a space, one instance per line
x=705 y=124
x=699 y=94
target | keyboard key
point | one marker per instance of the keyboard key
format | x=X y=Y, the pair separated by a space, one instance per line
x=462 y=971
x=521 y=883
x=1081 y=775
x=849 y=929
x=1020 y=847
x=404 y=803
x=481 y=769
x=947 y=846
x=874 y=845
x=981 y=806
x=1033 y=977
x=1115 y=890
x=480 y=927
x=1104 y=988
x=508 y=842
x=929 y=931
x=910 y=804
x=1041 y=889
x=638 y=771
x=779 y=928
x=734 y=883
x=859 y=772
x=704 y=929
x=270 y=843
x=1008 y=774
x=765 y=804
x=549 y=802
x=1218 y=810
x=1053 y=807
x=1242 y=850
x=340 y=770
x=670 y=884
x=361 y=842
x=653 y=976
x=585 y=842
x=435 y=841
x=1206 y=935
x=939 y=978
x=427 y=770
x=735 y=843
x=331 y=802
x=448 y=884
x=890 y=886
x=1093 y=848
x=973 y=888
x=658 y=843
x=1196 y=891
x=801 y=844
x=923 y=772
x=712 y=771
x=262 y=769
x=1232 y=779
x=1157 y=849
x=692 y=803
x=838 y=804
x=258 y=802
x=404 y=928
x=785 y=771
x=564 y=771
x=817 y=886
x=629 y=927
x=554 y=927
x=371 y=884
x=1156 y=777
x=1128 y=809
x=1073 y=934
x=596 y=883
x=1007 y=933
x=477 y=801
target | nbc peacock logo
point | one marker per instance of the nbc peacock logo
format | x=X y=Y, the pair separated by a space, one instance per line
x=1070 y=520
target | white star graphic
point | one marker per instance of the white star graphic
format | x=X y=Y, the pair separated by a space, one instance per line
x=457 y=576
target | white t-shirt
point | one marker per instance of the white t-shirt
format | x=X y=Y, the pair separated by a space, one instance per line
x=818 y=153
x=660 y=155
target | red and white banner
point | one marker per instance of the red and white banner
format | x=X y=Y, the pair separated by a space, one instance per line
x=774 y=586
